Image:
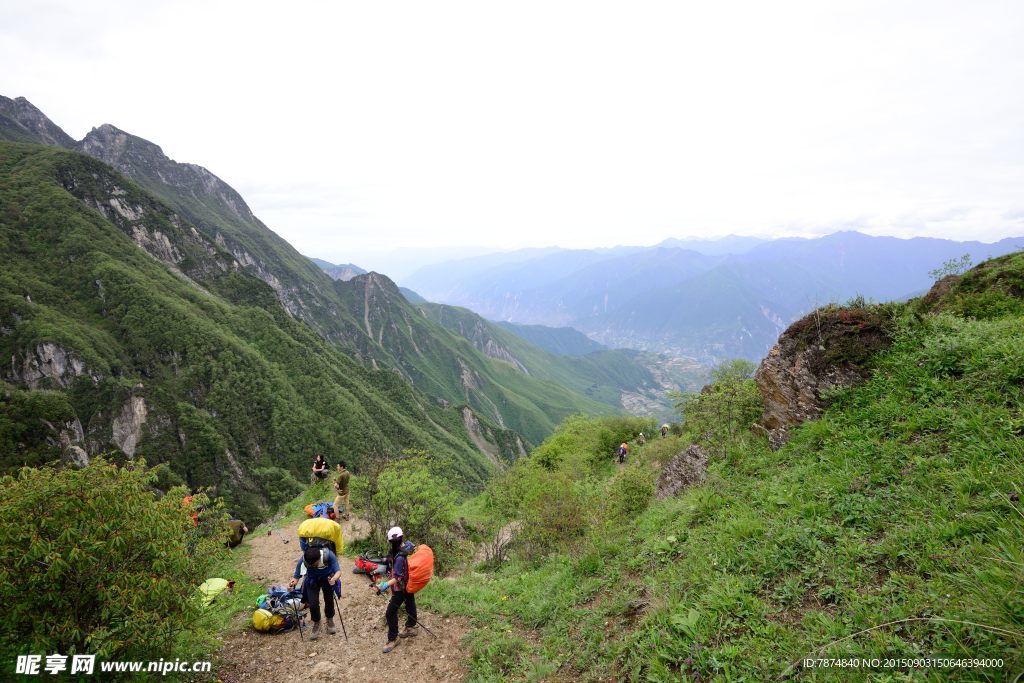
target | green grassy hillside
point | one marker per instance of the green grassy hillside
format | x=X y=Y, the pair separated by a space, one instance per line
x=236 y=393
x=560 y=341
x=889 y=528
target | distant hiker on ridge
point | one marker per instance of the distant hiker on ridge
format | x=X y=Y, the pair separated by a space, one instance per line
x=323 y=575
x=319 y=468
x=341 y=486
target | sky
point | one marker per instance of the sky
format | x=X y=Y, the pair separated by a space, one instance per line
x=353 y=129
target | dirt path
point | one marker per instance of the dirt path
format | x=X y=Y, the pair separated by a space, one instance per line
x=251 y=656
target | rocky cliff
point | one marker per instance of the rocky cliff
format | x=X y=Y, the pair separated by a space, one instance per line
x=828 y=349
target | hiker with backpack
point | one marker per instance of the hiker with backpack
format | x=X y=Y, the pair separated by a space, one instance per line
x=323 y=575
x=399 y=562
x=623 y=452
x=341 y=486
x=236 y=532
x=319 y=468
x=641 y=440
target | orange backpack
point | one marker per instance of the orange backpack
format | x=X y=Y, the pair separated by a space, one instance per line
x=421 y=568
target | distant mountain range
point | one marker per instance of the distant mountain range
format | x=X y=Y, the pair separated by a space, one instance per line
x=710 y=299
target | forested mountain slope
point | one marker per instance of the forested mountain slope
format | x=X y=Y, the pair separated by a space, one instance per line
x=129 y=330
x=365 y=316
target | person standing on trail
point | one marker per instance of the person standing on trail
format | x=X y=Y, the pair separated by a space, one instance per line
x=623 y=452
x=319 y=468
x=341 y=486
x=399 y=575
x=641 y=439
x=664 y=431
x=323 y=575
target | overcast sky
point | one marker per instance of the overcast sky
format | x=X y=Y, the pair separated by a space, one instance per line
x=359 y=127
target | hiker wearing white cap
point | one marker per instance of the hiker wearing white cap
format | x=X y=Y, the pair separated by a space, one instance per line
x=399 y=575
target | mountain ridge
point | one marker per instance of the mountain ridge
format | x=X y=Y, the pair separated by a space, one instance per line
x=363 y=316
x=734 y=304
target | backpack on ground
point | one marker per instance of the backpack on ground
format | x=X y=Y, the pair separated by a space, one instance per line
x=325 y=510
x=421 y=568
x=273 y=620
x=321 y=533
x=277 y=610
x=370 y=562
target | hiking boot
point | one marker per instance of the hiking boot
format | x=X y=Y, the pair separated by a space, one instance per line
x=330 y=626
x=391 y=645
x=315 y=633
x=410 y=631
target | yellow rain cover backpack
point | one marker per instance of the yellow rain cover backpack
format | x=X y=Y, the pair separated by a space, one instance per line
x=321 y=533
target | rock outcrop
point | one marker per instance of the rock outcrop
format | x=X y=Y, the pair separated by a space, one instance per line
x=127 y=426
x=47 y=366
x=686 y=469
x=825 y=350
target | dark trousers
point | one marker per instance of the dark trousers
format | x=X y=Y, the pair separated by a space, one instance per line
x=397 y=598
x=311 y=596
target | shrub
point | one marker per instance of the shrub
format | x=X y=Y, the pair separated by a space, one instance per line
x=629 y=493
x=554 y=518
x=403 y=492
x=730 y=404
x=92 y=562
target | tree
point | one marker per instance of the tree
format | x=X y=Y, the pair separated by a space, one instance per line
x=729 y=404
x=403 y=492
x=91 y=561
x=951 y=267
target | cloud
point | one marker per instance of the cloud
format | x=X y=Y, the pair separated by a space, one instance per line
x=582 y=124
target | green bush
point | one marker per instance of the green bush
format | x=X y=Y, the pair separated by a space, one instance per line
x=92 y=562
x=629 y=492
x=724 y=408
x=404 y=492
x=555 y=517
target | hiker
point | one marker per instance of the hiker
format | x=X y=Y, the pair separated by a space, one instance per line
x=664 y=431
x=398 y=560
x=623 y=452
x=238 y=530
x=323 y=575
x=319 y=468
x=641 y=439
x=341 y=486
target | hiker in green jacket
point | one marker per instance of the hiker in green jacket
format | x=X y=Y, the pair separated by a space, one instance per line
x=341 y=479
x=237 y=531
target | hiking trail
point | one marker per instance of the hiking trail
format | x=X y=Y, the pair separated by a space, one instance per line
x=251 y=656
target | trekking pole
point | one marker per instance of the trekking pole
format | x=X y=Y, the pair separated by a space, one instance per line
x=420 y=623
x=340 y=618
x=298 y=622
x=298 y=619
x=283 y=539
